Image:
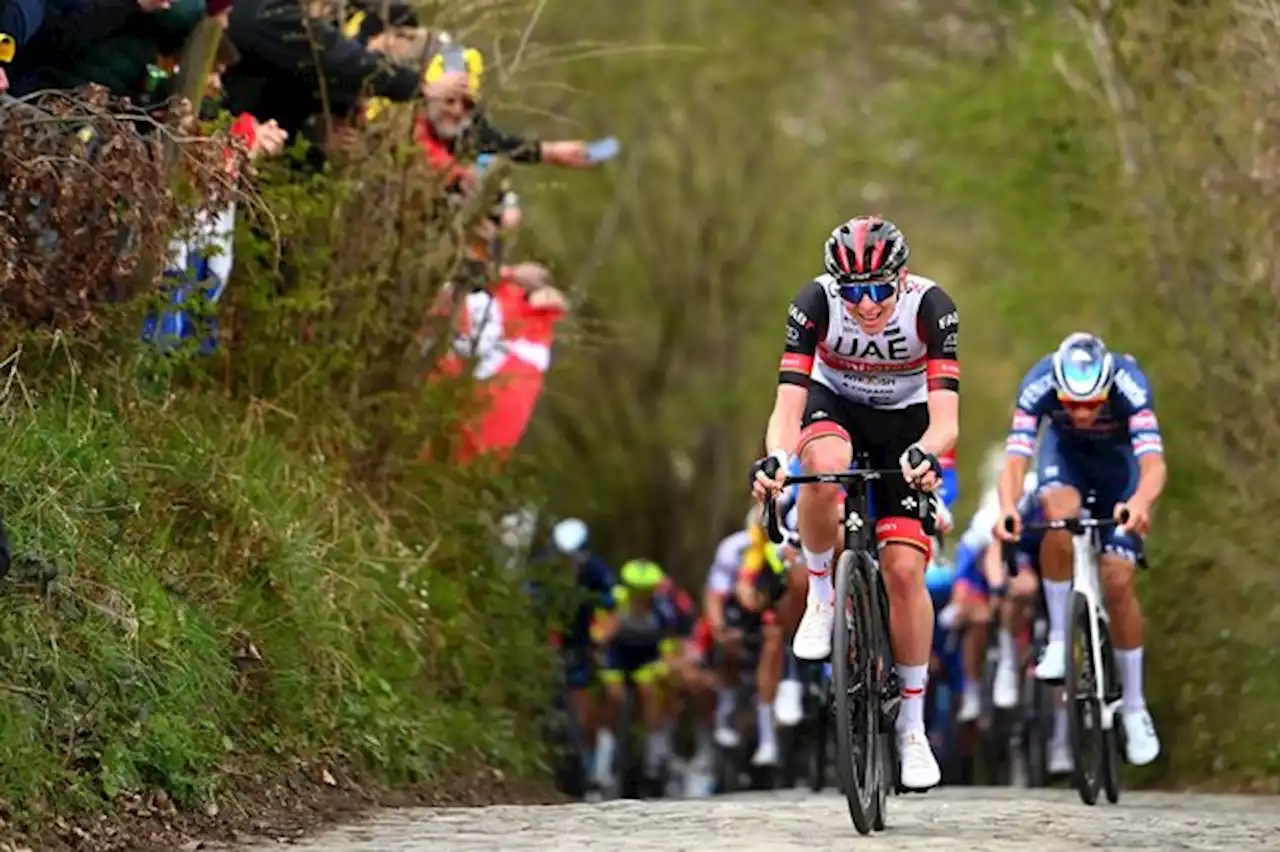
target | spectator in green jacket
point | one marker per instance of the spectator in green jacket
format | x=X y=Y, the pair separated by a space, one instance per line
x=119 y=60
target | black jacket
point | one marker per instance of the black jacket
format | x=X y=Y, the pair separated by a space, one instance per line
x=283 y=57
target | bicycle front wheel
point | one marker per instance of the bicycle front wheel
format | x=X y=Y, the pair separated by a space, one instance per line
x=857 y=700
x=1084 y=711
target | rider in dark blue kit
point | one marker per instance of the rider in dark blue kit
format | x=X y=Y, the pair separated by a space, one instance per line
x=595 y=580
x=1100 y=435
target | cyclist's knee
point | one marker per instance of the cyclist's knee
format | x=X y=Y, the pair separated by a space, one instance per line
x=1022 y=586
x=1118 y=577
x=828 y=453
x=903 y=568
x=1060 y=502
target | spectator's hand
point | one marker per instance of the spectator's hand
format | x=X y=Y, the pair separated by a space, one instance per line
x=529 y=275
x=571 y=154
x=341 y=138
x=269 y=139
x=548 y=298
x=150 y=6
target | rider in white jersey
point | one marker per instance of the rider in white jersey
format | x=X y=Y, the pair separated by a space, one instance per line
x=870 y=360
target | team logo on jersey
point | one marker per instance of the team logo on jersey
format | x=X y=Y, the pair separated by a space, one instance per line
x=1023 y=422
x=1129 y=387
x=1144 y=421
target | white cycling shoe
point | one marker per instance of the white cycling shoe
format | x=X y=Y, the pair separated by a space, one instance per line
x=1060 y=759
x=813 y=636
x=1141 y=744
x=1004 y=689
x=726 y=736
x=970 y=705
x=1053 y=662
x=788 y=705
x=919 y=769
x=766 y=754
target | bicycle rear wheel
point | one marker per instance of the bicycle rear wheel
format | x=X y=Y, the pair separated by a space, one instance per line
x=1084 y=714
x=857 y=700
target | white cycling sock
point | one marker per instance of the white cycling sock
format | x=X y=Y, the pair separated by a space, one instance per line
x=1060 y=725
x=911 y=713
x=1057 y=597
x=820 y=588
x=764 y=722
x=1005 y=640
x=656 y=748
x=726 y=703
x=1130 y=662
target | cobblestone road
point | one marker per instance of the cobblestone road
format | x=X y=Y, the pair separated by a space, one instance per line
x=961 y=819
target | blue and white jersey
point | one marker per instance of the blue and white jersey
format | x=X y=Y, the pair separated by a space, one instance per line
x=1127 y=419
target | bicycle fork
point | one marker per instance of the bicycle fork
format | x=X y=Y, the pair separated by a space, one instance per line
x=1085 y=583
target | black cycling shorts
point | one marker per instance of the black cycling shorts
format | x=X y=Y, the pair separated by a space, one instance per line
x=883 y=434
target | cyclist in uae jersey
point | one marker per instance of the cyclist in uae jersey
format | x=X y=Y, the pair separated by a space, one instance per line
x=871 y=361
x=1100 y=436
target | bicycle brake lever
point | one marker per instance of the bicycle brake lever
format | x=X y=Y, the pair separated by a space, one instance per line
x=771 y=520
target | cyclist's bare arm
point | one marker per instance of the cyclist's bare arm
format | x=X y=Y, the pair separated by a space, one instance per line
x=1152 y=474
x=713 y=607
x=939 y=328
x=807 y=318
x=993 y=566
x=783 y=432
x=1009 y=485
x=746 y=592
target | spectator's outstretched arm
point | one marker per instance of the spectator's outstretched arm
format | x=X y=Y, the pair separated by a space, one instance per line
x=490 y=139
x=287 y=40
x=354 y=65
x=572 y=153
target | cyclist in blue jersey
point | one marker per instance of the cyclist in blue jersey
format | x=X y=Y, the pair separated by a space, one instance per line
x=571 y=539
x=979 y=568
x=1100 y=435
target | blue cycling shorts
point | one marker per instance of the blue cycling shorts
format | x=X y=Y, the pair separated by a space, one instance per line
x=1109 y=470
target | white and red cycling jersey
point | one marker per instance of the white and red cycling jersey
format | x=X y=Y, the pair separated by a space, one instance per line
x=893 y=369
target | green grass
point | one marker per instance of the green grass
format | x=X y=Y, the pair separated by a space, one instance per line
x=223 y=600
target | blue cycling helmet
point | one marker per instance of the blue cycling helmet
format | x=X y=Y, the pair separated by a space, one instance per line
x=1083 y=369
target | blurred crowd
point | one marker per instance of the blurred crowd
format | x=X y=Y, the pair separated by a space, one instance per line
x=324 y=72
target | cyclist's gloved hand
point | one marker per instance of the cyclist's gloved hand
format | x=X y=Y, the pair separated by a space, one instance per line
x=921 y=469
x=1008 y=528
x=768 y=474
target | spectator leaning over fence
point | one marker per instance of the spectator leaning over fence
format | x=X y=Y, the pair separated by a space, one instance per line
x=453 y=128
x=293 y=60
x=127 y=40
x=20 y=21
x=202 y=260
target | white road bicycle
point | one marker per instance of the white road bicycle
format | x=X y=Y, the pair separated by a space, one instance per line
x=1092 y=679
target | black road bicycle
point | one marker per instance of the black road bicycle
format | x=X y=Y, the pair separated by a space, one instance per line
x=865 y=688
x=1092 y=679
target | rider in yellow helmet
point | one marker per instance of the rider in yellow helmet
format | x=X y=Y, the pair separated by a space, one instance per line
x=638 y=642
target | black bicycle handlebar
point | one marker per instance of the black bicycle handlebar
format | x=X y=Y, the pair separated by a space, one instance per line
x=923 y=503
x=1075 y=526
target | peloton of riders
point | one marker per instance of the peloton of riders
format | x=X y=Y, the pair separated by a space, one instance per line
x=871 y=361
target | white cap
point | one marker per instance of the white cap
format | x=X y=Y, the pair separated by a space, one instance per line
x=570 y=535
